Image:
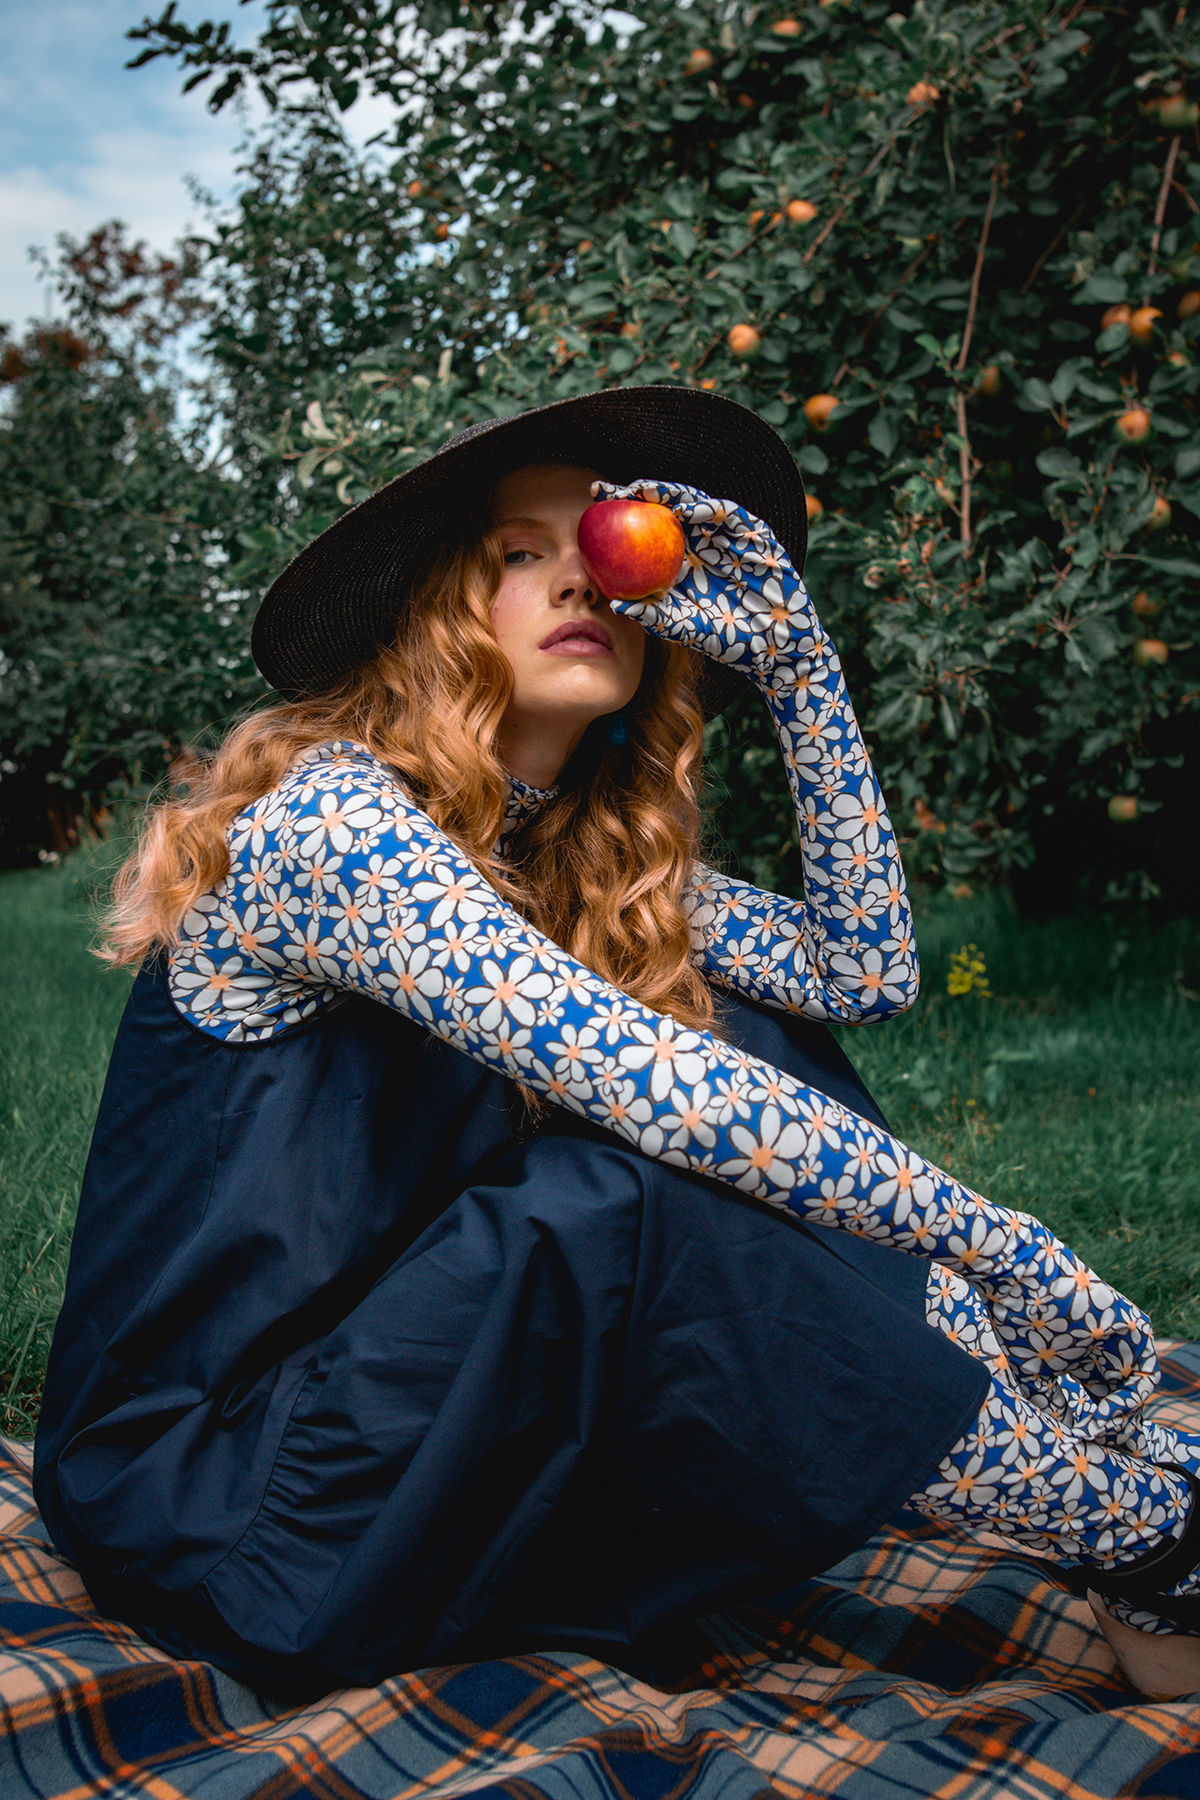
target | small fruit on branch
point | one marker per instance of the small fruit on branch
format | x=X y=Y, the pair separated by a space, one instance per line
x=1134 y=424
x=1115 y=315
x=1149 y=650
x=923 y=93
x=1189 y=306
x=631 y=548
x=744 y=341
x=801 y=212
x=1122 y=808
x=698 y=61
x=818 y=408
x=990 y=381
x=1141 y=324
x=1160 y=517
x=1175 y=112
x=1143 y=607
x=786 y=28
x=814 y=508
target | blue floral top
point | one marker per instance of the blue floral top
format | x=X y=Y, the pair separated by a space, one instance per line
x=339 y=882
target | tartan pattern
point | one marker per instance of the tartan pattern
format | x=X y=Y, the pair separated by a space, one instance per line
x=930 y=1663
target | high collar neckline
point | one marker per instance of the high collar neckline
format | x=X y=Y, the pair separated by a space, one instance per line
x=523 y=801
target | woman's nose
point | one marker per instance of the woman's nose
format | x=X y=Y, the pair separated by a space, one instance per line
x=574 y=583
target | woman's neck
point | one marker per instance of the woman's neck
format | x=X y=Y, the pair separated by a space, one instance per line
x=538 y=754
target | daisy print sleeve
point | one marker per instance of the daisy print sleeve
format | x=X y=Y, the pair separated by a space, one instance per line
x=340 y=884
x=845 y=952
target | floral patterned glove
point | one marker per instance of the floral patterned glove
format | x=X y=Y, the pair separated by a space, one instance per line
x=738 y=599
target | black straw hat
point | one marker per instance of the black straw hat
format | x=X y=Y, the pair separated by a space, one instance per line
x=337 y=602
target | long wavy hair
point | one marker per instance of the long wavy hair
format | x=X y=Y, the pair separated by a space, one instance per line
x=601 y=869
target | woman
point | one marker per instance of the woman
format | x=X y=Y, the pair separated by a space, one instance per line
x=417 y=1309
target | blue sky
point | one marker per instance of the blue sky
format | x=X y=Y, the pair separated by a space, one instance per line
x=83 y=139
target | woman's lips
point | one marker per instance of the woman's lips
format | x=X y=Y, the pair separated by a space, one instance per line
x=578 y=637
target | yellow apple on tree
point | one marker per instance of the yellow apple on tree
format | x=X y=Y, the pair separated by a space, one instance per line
x=631 y=548
x=819 y=408
x=1134 y=424
x=1176 y=112
x=1141 y=323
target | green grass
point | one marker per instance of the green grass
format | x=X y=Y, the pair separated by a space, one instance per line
x=59 y=1009
x=1073 y=1092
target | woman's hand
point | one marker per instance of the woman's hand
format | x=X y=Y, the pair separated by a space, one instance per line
x=738 y=598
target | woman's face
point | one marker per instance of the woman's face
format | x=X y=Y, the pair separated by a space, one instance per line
x=573 y=659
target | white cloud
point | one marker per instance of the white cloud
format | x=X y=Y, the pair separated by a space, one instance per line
x=84 y=140
x=127 y=176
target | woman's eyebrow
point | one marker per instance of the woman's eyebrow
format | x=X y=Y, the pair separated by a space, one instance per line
x=521 y=519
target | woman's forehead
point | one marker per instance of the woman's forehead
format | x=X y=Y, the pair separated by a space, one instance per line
x=536 y=486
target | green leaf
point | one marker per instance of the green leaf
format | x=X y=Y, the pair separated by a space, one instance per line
x=1095 y=389
x=1103 y=288
x=1063 y=384
x=1038 y=394
x=683 y=238
x=1058 y=463
x=1168 y=427
x=1098 y=636
x=1187 y=462
x=307 y=464
x=1172 y=565
x=882 y=432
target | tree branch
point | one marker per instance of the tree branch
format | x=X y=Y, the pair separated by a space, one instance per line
x=843 y=209
x=1048 y=252
x=964 y=448
x=1160 y=211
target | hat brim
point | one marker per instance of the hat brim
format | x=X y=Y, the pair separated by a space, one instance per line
x=338 y=602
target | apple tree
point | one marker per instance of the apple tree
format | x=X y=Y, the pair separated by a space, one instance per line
x=949 y=251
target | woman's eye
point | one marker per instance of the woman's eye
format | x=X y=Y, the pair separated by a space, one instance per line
x=516 y=557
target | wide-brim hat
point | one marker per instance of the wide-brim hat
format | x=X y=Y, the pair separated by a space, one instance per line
x=338 y=602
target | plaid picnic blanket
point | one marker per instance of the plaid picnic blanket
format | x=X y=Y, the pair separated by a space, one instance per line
x=928 y=1664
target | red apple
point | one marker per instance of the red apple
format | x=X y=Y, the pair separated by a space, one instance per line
x=631 y=548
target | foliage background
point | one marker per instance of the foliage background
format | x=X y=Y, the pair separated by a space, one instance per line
x=571 y=198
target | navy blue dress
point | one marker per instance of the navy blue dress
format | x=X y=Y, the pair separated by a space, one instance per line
x=357 y=1372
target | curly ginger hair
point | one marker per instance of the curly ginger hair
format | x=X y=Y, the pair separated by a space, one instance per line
x=601 y=870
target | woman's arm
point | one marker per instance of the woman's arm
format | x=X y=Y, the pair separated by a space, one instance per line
x=846 y=951
x=339 y=882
